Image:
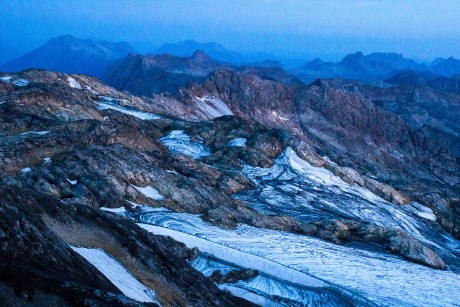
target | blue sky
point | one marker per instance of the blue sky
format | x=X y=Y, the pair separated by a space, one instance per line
x=291 y=28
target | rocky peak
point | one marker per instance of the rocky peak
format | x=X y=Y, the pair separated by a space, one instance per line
x=201 y=57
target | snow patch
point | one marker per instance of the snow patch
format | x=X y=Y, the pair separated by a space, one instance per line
x=73 y=83
x=21 y=82
x=72 y=182
x=117 y=274
x=147 y=209
x=150 y=192
x=279 y=116
x=423 y=211
x=238 y=142
x=114 y=210
x=179 y=142
x=46 y=160
x=6 y=78
x=91 y=90
x=111 y=103
x=214 y=106
x=35 y=132
x=26 y=170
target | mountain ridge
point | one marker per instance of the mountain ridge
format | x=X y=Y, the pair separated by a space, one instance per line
x=68 y=54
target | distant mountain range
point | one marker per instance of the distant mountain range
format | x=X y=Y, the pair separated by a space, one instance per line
x=372 y=67
x=425 y=78
x=375 y=66
x=71 y=55
x=7 y=53
x=445 y=67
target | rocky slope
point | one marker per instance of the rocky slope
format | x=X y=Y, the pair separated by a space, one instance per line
x=343 y=121
x=233 y=169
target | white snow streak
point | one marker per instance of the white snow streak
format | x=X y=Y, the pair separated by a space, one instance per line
x=72 y=182
x=114 y=210
x=111 y=103
x=34 y=132
x=214 y=106
x=150 y=192
x=117 y=274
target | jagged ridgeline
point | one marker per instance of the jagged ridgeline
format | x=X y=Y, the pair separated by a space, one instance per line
x=243 y=186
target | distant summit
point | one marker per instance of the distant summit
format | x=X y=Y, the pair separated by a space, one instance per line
x=68 y=54
x=150 y=74
x=214 y=50
x=7 y=52
x=374 y=66
x=445 y=67
x=147 y=75
x=424 y=78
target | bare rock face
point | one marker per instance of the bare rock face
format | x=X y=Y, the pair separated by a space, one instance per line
x=343 y=121
x=36 y=231
x=397 y=242
x=233 y=276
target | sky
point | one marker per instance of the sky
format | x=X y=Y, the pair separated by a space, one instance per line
x=329 y=29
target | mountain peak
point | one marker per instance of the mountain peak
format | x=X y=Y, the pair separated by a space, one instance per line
x=201 y=56
x=211 y=49
x=69 y=54
x=64 y=37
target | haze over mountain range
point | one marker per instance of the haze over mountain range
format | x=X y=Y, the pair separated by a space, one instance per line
x=200 y=176
x=92 y=57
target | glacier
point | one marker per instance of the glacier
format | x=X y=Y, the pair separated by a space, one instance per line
x=368 y=276
x=267 y=290
x=293 y=187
